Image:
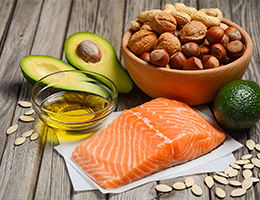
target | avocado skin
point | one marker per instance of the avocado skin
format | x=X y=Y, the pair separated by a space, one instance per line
x=109 y=64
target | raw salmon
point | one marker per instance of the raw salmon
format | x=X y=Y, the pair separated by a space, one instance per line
x=145 y=139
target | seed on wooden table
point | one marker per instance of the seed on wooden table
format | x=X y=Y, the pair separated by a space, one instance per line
x=256 y=162
x=179 y=186
x=235 y=166
x=254 y=179
x=238 y=192
x=209 y=181
x=25 y=118
x=242 y=162
x=222 y=174
x=220 y=193
x=246 y=157
x=258 y=155
x=189 y=182
x=29 y=112
x=247 y=183
x=227 y=170
x=196 y=190
x=257 y=147
x=247 y=173
x=248 y=166
x=12 y=129
x=25 y=104
x=234 y=183
x=233 y=173
x=250 y=144
x=27 y=133
x=19 y=140
x=220 y=179
x=163 y=188
x=34 y=136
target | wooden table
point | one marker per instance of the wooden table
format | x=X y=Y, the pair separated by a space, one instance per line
x=34 y=170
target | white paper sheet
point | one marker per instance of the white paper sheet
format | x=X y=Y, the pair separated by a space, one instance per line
x=217 y=160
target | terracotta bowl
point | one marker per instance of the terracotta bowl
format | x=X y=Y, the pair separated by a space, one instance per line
x=193 y=87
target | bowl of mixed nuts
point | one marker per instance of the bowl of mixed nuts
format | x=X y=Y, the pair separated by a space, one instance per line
x=185 y=54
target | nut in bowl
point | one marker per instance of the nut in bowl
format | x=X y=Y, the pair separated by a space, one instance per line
x=74 y=101
x=193 y=87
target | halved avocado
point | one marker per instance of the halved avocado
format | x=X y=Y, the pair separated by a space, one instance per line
x=108 y=66
x=35 y=67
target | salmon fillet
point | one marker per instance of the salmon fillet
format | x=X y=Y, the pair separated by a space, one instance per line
x=146 y=139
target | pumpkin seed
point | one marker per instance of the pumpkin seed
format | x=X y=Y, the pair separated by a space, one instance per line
x=238 y=192
x=227 y=170
x=246 y=157
x=248 y=166
x=179 y=186
x=27 y=133
x=189 y=182
x=220 y=193
x=242 y=162
x=247 y=173
x=25 y=118
x=25 y=104
x=235 y=166
x=254 y=179
x=163 y=188
x=250 y=144
x=12 y=129
x=247 y=183
x=256 y=162
x=209 y=181
x=29 y=112
x=196 y=190
x=220 y=179
x=222 y=174
x=19 y=141
x=258 y=155
x=233 y=173
x=34 y=136
x=234 y=183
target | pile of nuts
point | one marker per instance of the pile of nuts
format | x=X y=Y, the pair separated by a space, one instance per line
x=181 y=37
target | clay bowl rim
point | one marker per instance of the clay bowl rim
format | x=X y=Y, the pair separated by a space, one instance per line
x=246 y=39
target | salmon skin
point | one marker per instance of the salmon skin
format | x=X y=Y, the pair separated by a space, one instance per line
x=144 y=140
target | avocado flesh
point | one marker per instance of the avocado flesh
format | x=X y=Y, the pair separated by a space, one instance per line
x=108 y=66
x=35 y=67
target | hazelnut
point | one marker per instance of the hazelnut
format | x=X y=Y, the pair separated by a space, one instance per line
x=163 y=22
x=177 y=60
x=159 y=57
x=235 y=49
x=215 y=34
x=224 y=41
x=89 y=51
x=193 y=63
x=210 y=61
x=218 y=51
x=146 y=56
x=191 y=49
x=204 y=50
x=233 y=33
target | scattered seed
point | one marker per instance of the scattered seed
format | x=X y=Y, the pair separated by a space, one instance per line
x=235 y=166
x=220 y=179
x=233 y=173
x=248 y=166
x=250 y=144
x=196 y=190
x=242 y=162
x=256 y=162
x=220 y=193
x=254 y=179
x=246 y=157
x=227 y=170
x=209 y=181
x=257 y=147
x=25 y=118
x=34 y=136
x=189 y=182
x=247 y=173
x=12 y=129
x=27 y=133
x=222 y=174
x=163 y=188
x=25 y=104
x=179 y=186
x=238 y=192
x=258 y=155
x=234 y=183
x=247 y=183
x=19 y=141
x=29 y=112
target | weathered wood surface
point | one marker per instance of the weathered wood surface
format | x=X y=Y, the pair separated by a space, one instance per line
x=34 y=170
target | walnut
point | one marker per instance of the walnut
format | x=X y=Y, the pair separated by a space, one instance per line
x=168 y=42
x=163 y=22
x=193 y=31
x=142 y=41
